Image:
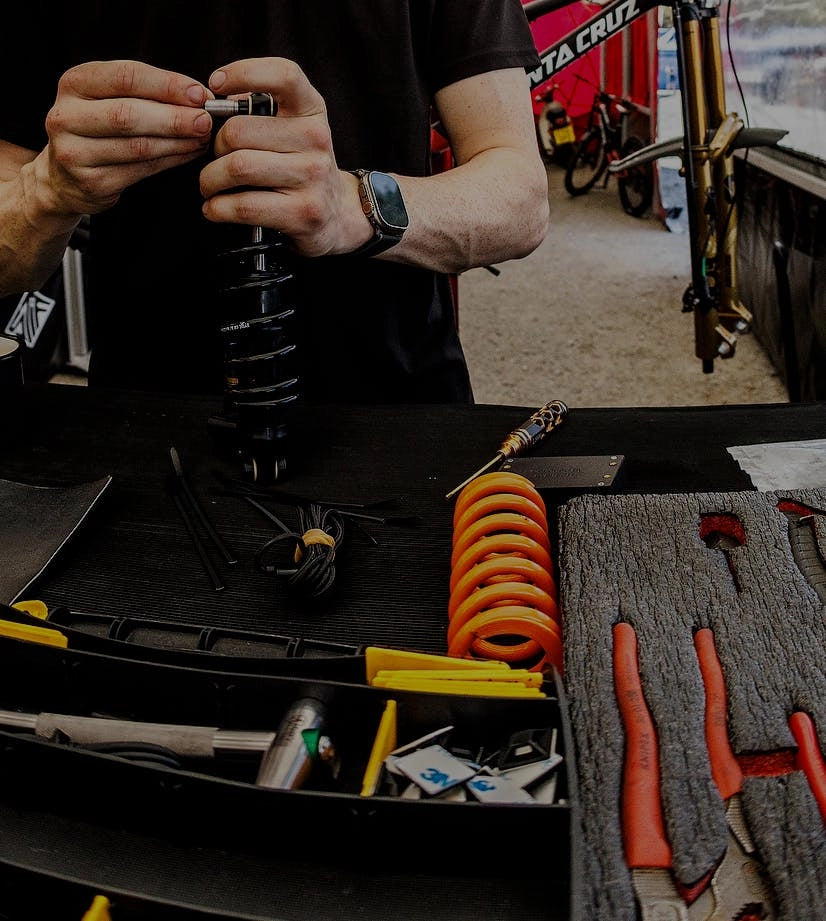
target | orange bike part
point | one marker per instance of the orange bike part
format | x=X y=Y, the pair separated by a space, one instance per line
x=492 y=524
x=500 y=502
x=516 y=621
x=500 y=568
x=503 y=596
x=509 y=543
x=497 y=595
x=500 y=482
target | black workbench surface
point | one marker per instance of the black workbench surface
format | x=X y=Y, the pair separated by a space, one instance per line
x=132 y=558
x=392 y=579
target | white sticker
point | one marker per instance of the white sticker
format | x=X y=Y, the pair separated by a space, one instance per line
x=434 y=769
x=492 y=788
x=29 y=317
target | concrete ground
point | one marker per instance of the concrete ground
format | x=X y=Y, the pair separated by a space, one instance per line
x=594 y=317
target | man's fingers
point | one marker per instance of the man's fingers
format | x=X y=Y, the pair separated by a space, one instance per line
x=113 y=79
x=126 y=117
x=111 y=99
x=254 y=168
x=119 y=152
x=283 y=78
x=302 y=134
x=95 y=186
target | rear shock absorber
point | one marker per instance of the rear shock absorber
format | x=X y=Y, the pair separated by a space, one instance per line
x=258 y=317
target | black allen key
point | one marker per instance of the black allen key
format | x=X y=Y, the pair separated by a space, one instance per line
x=217 y=582
x=189 y=508
x=196 y=507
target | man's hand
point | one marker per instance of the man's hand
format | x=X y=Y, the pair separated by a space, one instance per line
x=281 y=172
x=113 y=123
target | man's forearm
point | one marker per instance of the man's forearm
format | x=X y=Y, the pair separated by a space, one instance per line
x=32 y=241
x=489 y=210
x=492 y=205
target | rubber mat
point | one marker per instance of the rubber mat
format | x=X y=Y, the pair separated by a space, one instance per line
x=35 y=522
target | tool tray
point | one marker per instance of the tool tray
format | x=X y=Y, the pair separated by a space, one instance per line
x=643 y=559
x=129 y=822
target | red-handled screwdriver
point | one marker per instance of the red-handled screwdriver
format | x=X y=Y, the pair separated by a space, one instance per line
x=533 y=430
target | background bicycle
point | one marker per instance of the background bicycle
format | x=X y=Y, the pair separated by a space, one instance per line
x=554 y=129
x=711 y=135
x=609 y=136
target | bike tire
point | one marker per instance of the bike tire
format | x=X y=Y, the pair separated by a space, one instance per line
x=636 y=185
x=587 y=164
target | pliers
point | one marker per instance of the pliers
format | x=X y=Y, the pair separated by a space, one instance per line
x=734 y=889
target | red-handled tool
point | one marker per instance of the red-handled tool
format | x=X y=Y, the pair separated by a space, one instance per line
x=724 y=767
x=809 y=758
x=647 y=851
x=734 y=889
x=738 y=888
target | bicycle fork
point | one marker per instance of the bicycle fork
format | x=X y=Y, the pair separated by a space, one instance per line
x=708 y=163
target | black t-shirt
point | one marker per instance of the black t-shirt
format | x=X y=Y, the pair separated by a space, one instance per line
x=369 y=331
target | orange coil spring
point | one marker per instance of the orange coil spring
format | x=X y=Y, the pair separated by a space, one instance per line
x=503 y=596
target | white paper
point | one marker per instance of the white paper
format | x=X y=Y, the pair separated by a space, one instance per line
x=783 y=464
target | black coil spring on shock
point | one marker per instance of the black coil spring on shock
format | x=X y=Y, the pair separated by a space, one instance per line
x=258 y=317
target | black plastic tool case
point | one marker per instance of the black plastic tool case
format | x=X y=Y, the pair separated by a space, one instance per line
x=180 y=842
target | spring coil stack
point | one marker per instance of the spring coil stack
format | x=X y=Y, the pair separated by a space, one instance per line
x=258 y=320
x=258 y=323
x=503 y=596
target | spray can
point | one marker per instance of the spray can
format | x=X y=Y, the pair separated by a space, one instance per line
x=299 y=742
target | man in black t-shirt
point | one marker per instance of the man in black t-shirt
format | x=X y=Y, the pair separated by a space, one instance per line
x=110 y=122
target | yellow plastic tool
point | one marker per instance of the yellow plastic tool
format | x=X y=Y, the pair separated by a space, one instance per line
x=35 y=608
x=44 y=635
x=378 y=657
x=515 y=675
x=468 y=688
x=98 y=910
x=383 y=744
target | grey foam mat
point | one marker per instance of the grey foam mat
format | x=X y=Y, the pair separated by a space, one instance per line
x=640 y=558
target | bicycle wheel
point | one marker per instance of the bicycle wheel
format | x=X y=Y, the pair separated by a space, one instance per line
x=587 y=164
x=636 y=185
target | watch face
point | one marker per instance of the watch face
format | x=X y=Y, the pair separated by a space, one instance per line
x=389 y=200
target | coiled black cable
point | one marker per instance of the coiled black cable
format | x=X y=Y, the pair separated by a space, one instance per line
x=320 y=532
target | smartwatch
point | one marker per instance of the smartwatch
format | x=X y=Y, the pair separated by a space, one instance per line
x=383 y=205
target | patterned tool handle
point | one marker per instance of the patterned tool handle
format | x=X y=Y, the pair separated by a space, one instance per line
x=534 y=428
